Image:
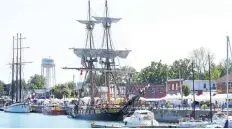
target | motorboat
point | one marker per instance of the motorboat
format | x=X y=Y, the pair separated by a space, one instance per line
x=192 y=124
x=53 y=109
x=220 y=118
x=210 y=125
x=141 y=118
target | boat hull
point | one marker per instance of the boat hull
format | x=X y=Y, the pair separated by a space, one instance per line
x=116 y=116
x=18 y=108
x=54 y=112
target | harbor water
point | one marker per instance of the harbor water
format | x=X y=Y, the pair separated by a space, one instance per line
x=38 y=120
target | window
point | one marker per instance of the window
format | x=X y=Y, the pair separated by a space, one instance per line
x=230 y=84
x=161 y=90
x=214 y=87
x=173 y=87
x=153 y=90
x=177 y=86
x=204 y=85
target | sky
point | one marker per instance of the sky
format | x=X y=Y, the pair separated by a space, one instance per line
x=152 y=29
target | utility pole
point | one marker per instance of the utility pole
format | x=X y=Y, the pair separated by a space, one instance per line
x=181 y=92
x=194 y=113
x=210 y=99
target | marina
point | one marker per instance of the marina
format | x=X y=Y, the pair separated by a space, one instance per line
x=192 y=92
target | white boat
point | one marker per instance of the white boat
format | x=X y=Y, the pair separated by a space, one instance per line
x=212 y=126
x=220 y=119
x=23 y=107
x=193 y=124
x=141 y=118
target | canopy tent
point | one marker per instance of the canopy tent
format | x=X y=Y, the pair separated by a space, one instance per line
x=168 y=96
x=219 y=97
x=152 y=99
x=172 y=97
x=190 y=96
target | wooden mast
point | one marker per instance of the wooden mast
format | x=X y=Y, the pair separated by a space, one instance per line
x=12 y=82
x=107 y=59
x=20 y=68
x=17 y=65
x=90 y=62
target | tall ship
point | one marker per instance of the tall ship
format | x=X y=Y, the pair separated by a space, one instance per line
x=17 y=104
x=105 y=56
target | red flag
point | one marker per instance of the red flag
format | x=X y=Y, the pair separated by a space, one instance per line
x=81 y=72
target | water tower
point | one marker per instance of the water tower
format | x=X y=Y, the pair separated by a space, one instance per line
x=48 y=71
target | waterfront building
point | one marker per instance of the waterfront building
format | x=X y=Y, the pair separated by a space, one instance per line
x=221 y=84
x=201 y=85
x=155 y=91
x=173 y=86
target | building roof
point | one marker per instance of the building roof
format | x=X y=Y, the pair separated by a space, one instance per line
x=223 y=79
x=175 y=79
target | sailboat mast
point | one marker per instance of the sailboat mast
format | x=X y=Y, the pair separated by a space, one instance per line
x=107 y=59
x=91 y=60
x=12 y=82
x=227 y=76
x=17 y=64
x=20 y=68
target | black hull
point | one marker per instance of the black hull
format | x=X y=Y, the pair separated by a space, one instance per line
x=114 y=116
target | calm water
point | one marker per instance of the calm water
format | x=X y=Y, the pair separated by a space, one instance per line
x=34 y=120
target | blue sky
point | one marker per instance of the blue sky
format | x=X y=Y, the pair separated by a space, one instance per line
x=152 y=29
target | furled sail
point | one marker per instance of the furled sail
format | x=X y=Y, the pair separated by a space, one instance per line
x=107 y=19
x=102 y=53
x=87 y=22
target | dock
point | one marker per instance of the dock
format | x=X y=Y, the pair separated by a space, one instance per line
x=119 y=126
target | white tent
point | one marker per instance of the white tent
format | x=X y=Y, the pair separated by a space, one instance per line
x=168 y=96
x=219 y=98
x=172 y=97
x=190 y=96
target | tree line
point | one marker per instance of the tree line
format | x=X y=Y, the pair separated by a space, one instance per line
x=157 y=72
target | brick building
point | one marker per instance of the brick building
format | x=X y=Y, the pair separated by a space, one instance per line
x=221 y=84
x=173 y=86
x=155 y=91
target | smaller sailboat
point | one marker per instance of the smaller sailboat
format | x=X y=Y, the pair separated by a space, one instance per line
x=17 y=106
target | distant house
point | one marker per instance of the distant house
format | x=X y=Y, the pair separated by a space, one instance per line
x=221 y=85
x=174 y=86
x=155 y=91
x=201 y=85
x=41 y=94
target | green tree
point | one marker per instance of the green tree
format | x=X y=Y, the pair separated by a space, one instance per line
x=2 y=89
x=186 y=90
x=156 y=73
x=127 y=74
x=60 y=90
x=215 y=73
x=181 y=69
x=71 y=85
x=37 y=82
